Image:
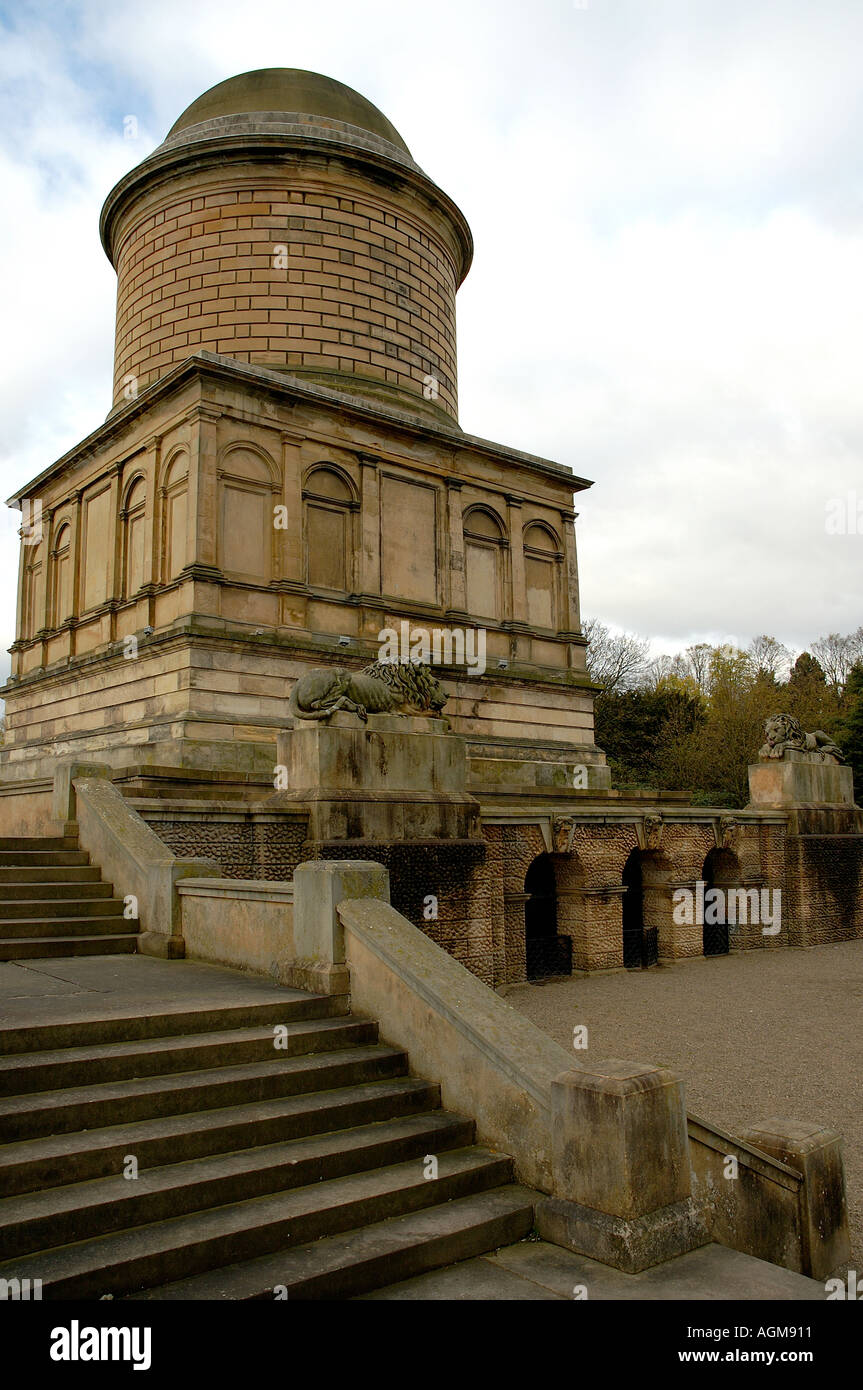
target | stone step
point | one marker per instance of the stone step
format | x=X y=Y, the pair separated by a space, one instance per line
x=65 y=927
x=29 y=892
x=48 y=947
x=26 y=908
x=354 y=1262
x=166 y=1251
x=49 y=873
x=90 y=1107
x=37 y=858
x=44 y=1220
x=28 y=842
x=62 y=1159
x=135 y=1025
x=26 y=1073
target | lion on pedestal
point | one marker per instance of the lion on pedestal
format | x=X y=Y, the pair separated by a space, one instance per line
x=401 y=687
x=784 y=732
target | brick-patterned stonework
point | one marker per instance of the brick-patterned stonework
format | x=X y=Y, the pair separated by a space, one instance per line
x=245 y=848
x=589 y=887
x=480 y=890
x=824 y=877
x=365 y=290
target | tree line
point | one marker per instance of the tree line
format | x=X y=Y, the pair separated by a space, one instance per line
x=694 y=722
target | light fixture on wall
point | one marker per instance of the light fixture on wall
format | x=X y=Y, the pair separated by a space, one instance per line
x=502 y=665
x=344 y=641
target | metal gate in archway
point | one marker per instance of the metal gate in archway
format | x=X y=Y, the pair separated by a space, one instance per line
x=546 y=952
x=714 y=935
x=640 y=943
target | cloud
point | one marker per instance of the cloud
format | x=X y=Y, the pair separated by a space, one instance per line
x=666 y=292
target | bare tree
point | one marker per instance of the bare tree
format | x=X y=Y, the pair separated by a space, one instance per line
x=616 y=661
x=836 y=654
x=769 y=657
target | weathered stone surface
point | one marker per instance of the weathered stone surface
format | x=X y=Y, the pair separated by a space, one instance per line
x=630 y=1244
x=816 y=1153
x=800 y=779
x=619 y=1138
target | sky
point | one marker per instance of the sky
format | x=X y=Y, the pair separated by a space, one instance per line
x=666 y=198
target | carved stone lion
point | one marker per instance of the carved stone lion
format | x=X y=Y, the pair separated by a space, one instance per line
x=383 y=688
x=783 y=731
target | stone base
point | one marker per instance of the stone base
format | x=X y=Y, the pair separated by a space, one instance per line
x=315 y=977
x=629 y=1244
x=156 y=943
x=800 y=779
x=395 y=777
x=815 y=1152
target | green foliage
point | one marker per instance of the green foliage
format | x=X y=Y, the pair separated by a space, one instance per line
x=635 y=727
x=695 y=722
x=849 y=730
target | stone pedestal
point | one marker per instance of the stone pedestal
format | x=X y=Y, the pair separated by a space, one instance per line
x=620 y=1156
x=396 y=777
x=799 y=779
x=319 y=940
x=817 y=1154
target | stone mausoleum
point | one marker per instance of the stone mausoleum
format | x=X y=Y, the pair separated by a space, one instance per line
x=281 y=478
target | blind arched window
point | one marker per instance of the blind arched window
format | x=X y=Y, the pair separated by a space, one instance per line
x=484 y=544
x=543 y=558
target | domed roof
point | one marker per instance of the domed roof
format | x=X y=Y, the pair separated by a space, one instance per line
x=304 y=94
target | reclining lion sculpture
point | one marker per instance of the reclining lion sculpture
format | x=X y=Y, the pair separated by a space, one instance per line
x=783 y=731
x=383 y=688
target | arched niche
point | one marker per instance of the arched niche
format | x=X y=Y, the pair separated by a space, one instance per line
x=133 y=516
x=61 y=570
x=175 y=515
x=33 y=598
x=329 y=503
x=248 y=481
x=543 y=560
x=484 y=544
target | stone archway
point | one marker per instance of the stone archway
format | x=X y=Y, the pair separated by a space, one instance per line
x=721 y=870
x=646 y=907
x=547 y=951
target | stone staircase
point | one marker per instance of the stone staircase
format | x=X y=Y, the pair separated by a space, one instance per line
x=300 y=1168
x=53 y=903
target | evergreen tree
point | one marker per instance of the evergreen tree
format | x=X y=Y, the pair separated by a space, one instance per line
x=849 y=732
x=807 y=696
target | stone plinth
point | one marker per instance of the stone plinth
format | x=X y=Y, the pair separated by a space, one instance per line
x=620 y=1156
x=800 y=779
x=396 y=777
x=817 y=1154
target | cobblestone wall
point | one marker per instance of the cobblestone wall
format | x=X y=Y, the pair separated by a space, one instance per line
x=244 y=848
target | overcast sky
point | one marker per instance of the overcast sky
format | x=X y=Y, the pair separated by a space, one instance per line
x=667 y=202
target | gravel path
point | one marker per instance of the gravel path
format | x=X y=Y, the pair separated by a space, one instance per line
x=753 y=1035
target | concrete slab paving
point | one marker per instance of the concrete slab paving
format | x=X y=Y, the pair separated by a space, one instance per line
x=69 y=989
x=471 y=1281
x=540 y=1271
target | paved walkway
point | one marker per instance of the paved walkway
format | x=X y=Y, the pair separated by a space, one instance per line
x=534 y=1271
x=72 y=988
x=753 y=1035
